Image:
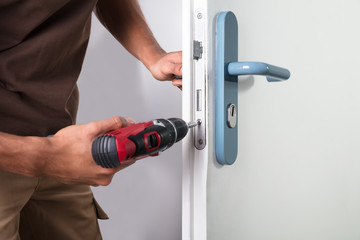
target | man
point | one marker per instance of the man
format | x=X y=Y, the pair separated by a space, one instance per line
x=44 y=181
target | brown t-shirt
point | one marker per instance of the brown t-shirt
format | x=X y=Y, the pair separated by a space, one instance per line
x=42 y=47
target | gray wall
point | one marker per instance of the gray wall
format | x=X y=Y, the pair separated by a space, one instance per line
x=144 y=200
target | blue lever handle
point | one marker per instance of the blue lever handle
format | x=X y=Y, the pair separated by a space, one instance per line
x=272 y=73
x=227 y=70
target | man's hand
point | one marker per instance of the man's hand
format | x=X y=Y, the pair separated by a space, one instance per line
x=65 y=157
x=69 y=158
x=168 y=67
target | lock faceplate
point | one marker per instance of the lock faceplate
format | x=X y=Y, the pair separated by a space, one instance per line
x=199 y=79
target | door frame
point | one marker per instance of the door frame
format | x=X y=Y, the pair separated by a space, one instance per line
x=195 y=162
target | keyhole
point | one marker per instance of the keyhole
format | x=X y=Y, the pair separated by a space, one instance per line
x=232 y=118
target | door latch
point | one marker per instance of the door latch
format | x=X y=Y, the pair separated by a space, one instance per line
x=197 y=50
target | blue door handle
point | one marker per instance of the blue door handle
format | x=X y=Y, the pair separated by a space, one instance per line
x=227 y=70
x=272 y=73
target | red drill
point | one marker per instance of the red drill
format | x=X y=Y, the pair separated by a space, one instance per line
x=138 y=141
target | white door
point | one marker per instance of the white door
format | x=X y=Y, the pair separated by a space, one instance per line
x=297 y=172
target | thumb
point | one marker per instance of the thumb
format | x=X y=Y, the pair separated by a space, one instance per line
x=112 y=124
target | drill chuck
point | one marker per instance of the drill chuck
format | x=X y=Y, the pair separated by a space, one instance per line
x=138 y=141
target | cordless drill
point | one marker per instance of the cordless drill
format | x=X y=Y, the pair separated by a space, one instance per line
x=138 y=141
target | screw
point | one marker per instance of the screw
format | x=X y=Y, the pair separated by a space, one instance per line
x=201 y=142
x=199 y=15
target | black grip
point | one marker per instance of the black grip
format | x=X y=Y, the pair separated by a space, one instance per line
x=104 y=151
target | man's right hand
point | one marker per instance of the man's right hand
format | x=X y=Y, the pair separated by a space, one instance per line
x=65 y=157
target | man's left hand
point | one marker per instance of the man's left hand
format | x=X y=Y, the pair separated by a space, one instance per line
x=168 y=67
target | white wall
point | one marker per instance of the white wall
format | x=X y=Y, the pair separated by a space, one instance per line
x=144 y=200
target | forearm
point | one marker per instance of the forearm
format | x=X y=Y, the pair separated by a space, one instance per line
x=124 y=19
x=22 y=155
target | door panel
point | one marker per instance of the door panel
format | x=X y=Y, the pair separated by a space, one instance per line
x=297 y=172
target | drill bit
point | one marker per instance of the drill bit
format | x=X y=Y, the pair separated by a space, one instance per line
x=194 y=123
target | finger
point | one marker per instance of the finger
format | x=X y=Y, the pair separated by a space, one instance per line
x=177 y=69
x=106 y=172
x=124 y=165
x=131 y=121
x=110 y=124
x=177 y=82
x=175 y=57
x=111 y=171
x=105 y=181
x=171 y=69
